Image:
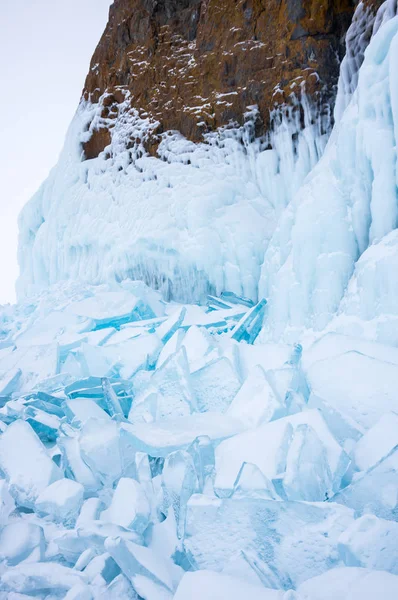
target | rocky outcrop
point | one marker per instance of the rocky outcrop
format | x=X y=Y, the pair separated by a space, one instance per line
x=196 y=65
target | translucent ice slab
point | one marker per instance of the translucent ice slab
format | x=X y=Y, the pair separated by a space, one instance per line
x=215 y=385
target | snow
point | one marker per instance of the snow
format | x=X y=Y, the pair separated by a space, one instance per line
x=207 y=585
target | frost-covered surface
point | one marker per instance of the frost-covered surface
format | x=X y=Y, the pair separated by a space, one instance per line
x=151 y=451
x=194 y=220
x=346 y=210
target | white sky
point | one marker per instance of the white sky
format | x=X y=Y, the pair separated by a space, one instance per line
x=45 y=51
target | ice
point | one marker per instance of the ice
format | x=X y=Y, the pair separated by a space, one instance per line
x=135 y=354
x=27 y=466
x=96 y=361
x=9 y=381
x=251 y=483
x=267 y=447
x=366 y=395
x=137 y=561
x=371 y=543
x=61 y=500
x=79 y=591
x=256 y=402
x=376 y=490
x=119 y=588
x=129 y=506
x=215 y=385
x=171 y=347
x=202 y=452
x=350 y=584
x=167 y=329
x=344 y=428
x=101 y=570
x=207 y=585
x=172 y=380
x=100 y=450
x=123 y=307
x=7 y=503
x=308 y=476
x=19 y=541
x=161 y=438
x=41 y=577
x=297 y=540
x=45 y=425
x=179 y=482
x=377 y=442
x=199 y=346
x=250 y=325
x=74 y=465
x=81 y=410
x=111 y=400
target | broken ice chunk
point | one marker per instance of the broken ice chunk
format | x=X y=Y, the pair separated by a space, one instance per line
x=250 y=325
x=96 y=361
x=80 y=410
x=61 y=500
x=202 y=452
x=377 y=442
x=267 y=447
x=7 y=504
x=366 y=395
x=308 y=476
x=376 y=490
x=179 y=482
x=234 y=299
x=215 y=385
x=41 y=577
x=251 y=483
x=119 y=589
x=18 y=540
x=101 y=570
x=161 y=438
x=90 y=511
x=9 y=381
x=137 y=561
x=99 y=446
x=135 y=354
x=129 y=506
x=350 y=583
x=344 y=428
x=26 y=464
x=372 y=543
x=172 y=346
x=288 y=535
x=256 y=402
x=74 y=465
x=44 y=424
x=167 y=329
x=80 y=591
x=198 y=344
x=111 y=400
x=173 y=381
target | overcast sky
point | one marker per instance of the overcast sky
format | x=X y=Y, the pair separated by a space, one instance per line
x=45 y=51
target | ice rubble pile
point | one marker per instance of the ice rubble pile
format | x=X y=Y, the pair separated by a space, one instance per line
x=151 y=450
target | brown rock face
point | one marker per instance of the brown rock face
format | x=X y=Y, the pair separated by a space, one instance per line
x=195 y=65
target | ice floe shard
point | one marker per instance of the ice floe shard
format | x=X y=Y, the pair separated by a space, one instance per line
x=61 y=500
x=374 y=491
x=36 y=578
x=19 y=540
x=251 y=483
x=100 y=449
x=179 y=482
x=308 y=475
x=267 y=447
x=9 y=381
x=215 y=385
x=256 y=402
x=26 y=464
x=172 y=380
x=167 y=329
x=377 y=442
x=250 y=325
x=161 y=438
x=366 y=395
x=7 y=503
x=129 y=506
x=111 y=400
x=202 y=452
